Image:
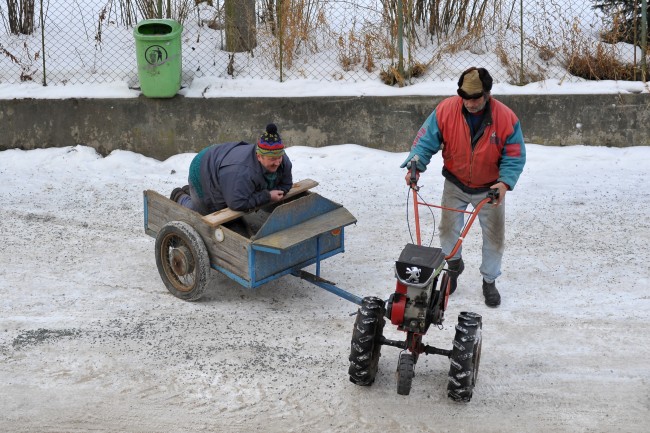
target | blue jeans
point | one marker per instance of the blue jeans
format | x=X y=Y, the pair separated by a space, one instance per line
x=193 y=201
x=491 y=218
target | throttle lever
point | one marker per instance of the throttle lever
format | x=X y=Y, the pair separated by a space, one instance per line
x=413 y=167
x=493 y=195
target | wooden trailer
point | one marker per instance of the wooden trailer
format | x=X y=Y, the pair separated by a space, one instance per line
x=251 y=248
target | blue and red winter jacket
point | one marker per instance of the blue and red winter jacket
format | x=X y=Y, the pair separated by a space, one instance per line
x=496 y=152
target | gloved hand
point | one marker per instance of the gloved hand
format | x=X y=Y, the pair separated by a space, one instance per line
x=413 y=175
x=502 y=188
x=409 y=179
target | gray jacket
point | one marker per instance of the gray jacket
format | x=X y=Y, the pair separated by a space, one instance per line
x=231 y=176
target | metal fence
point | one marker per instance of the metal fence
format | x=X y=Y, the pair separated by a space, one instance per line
x=397 y=41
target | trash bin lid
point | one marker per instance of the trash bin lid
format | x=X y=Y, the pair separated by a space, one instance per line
x=156 y=29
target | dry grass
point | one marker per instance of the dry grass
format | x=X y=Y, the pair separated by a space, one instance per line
x=362 y=49
x=368 y=48
x=601 y=64
x=518 y=73
x=596 y=61
x=129 y=12
x=349 y=51
x=417 y=70
x=295 y=26
x=290 y=32
x=26 y=61
x=391 y=75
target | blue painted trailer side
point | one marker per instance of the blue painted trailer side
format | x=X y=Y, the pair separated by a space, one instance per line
x=263 y=264
x=295 y=212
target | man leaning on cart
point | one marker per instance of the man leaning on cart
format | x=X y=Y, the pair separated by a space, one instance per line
x=237 y=175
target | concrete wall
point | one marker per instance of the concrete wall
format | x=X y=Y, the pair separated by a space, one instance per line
x=160 y=128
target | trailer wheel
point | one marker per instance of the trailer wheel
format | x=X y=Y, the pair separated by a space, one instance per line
x=465 y=357
x=366 y=341
x=405 y=373
x=182 y=260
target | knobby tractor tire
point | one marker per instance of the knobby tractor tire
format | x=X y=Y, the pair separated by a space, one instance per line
x=465 y=357
x=366 y=341
x=182 y=260
x=405 y=373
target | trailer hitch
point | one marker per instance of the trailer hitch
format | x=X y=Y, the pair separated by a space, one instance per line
x=327 y=285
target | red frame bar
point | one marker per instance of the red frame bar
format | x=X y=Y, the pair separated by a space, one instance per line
x=473 y=213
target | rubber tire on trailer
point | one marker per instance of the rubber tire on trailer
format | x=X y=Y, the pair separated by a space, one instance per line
x=405 y=373
x=367 y=335
x=465 y=357
x=182 y=260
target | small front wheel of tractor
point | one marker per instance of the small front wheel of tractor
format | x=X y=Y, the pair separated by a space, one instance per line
x=405 y=373
x=367 y=336
x=465 y=357
x=182 y=260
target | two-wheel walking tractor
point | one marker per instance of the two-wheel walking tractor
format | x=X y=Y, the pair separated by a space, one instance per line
x=420 y=300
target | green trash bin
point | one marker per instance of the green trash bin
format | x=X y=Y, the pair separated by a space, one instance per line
x=158 y=50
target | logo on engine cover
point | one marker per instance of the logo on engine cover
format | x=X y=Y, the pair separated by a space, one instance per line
x=414 y=274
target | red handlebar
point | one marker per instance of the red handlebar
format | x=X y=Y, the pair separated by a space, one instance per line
x=461 y=238
x=492 y=196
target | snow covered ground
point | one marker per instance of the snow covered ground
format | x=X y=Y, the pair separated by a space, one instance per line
x=90 y=339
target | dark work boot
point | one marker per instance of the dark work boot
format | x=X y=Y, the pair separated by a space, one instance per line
x=492 y=297
x=177 y=193
x=456 y=267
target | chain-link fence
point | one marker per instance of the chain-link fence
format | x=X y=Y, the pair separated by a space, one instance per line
x=397 y=41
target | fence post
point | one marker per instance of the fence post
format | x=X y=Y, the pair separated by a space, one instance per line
x=521 y=42
x=400 y=37
x=43 y=44
x=278 y=15
x=644 y=39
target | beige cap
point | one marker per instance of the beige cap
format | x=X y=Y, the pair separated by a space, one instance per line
x=472 y=84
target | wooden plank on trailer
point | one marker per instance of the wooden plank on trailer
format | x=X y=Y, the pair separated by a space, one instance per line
x=160 y=206
x=284 y=239
x=230 y=254
x=223 y=216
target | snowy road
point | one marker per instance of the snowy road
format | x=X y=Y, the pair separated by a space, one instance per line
x=90 y=339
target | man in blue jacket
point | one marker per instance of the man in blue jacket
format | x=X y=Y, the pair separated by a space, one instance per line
x=482 y=148
x=239 y=176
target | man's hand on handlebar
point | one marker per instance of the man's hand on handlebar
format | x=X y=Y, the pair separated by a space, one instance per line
x=502 y=188
x=409 y=177
x=412 y=175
